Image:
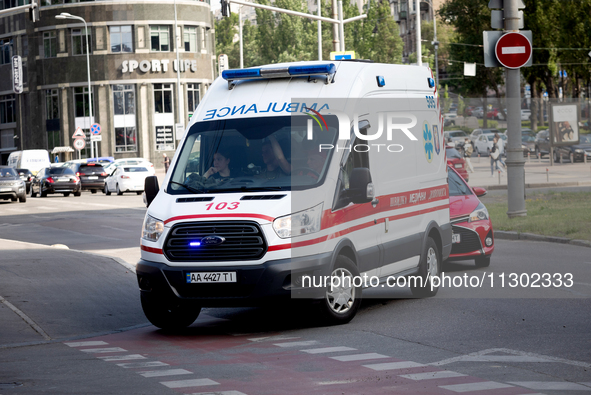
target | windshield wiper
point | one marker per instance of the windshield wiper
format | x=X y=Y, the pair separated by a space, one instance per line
x=190 y=189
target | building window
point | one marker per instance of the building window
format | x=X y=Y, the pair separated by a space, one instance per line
x=49 y=45
x=5 y=50
x=53 y=140
x=192 y=97
x=81 y=102
x=25 y=45
x=125 y=139
x=52 y=104
x=79 y=42
x=190 y=35
x=7 y=109
x=163 y=98
x=7 y=138
x=121 y=40
x=203 y=38
x=5 y=4
x=123 y=99
x=160 y=38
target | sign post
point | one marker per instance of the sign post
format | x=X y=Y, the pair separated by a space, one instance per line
x=95 y=136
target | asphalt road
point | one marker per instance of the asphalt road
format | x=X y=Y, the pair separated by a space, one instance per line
x=81 y=329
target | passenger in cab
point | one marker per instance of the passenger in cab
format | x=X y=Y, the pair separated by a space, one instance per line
x=274 y=159
x=220 y=169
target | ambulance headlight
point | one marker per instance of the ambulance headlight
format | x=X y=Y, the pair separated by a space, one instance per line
x=479 y=214
x=152 y=229
x=300 y=223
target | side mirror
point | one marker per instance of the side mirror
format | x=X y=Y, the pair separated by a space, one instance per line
x=151 y=189
x=479 y=191
x=361 y=189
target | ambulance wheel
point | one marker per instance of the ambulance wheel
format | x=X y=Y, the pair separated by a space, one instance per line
x=430 y=265
x=169 y=314
x=341 y=303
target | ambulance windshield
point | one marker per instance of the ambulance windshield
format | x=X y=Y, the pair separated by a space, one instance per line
x=254 y=154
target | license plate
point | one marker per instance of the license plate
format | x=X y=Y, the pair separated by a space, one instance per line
x=5 y=189
x=211 y=277
x=455 y=238
x=93 y=177
x=66 y=179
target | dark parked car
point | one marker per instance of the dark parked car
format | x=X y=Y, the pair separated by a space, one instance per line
x=542 y=143
x=92 y=175
x=578 y=150
x=472 y=231
x=11 y=186
x=26 y=176
x=52 y=180
x=528 y=144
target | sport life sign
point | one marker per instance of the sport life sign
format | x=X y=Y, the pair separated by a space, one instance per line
x=513 y=50
x=17 y=74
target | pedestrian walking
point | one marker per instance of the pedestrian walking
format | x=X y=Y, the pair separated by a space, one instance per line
x=468 y=154
x=501 y=145
x=495 y=153
x=166 y=163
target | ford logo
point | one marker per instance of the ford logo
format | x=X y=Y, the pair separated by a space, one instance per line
x=212 y=240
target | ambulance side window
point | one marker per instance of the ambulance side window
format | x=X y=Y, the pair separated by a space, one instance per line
x=357 y=158
x=193 y=161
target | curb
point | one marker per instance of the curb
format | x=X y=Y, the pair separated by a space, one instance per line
x=537 y=185
x=506 y=235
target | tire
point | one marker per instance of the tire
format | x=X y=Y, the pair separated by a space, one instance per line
x=430 y=265
x=119 y=192
x=79 y=193
x=66 y=194
x=33 y=194
x=106 y=190
x=340 y=305
x=482 y=261
x=139 y=192
x=41 y=193
x=22 y=199
x=13 y=199
x=557 y=158
x=168 y=314
x=93 y=191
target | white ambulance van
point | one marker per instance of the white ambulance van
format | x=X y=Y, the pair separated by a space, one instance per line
x=292 y=174
x=32 y=159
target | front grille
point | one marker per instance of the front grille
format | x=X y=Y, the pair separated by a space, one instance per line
x=195 y=199
x=262 y=197
x=469 y=241
x=244 y=241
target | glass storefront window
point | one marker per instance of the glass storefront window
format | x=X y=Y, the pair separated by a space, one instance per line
x=160 y=38
x=121 y=39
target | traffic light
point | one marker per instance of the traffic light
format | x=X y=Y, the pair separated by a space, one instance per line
x=225 y=8
x=34 y=12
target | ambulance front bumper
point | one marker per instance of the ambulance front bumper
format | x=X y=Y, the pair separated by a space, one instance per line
x=267 y=283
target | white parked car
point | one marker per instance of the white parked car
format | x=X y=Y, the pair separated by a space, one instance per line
x=525 y=115
x=484 y=143
x=126 y=179
x=131 y=162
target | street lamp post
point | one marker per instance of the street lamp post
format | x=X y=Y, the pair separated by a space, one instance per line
x=65 y=15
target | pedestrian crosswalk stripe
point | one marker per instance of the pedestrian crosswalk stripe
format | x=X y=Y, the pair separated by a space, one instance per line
x=394 y=365
x=161 y=373
x=443 y=374
x=111 y=358
x=85 y=344
x=297 y=344
x=189 y=383
x=327 y=350
x=359 y=357
x=104 y=350
x=552 y=385
x=481 y=386
x=142 y=364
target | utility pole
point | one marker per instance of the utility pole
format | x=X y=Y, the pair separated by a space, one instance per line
x=335 y=28
x=418 y=32
x=515 y=161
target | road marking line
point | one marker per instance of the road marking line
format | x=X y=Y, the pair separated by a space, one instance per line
x=26 y=318
x=86 y=344
x=104 y=350
x=443 y=374
x=359 y=357
x=259 y=339
x=394 y=365
x=551 y=385
x=543 y=358
x=232 y=392
x=189 y=383
x=337 y=382
x=481 y=386
x=142 y=364
x=169 y=372
x=296 y=344
x=121 y=357
x=328 y=349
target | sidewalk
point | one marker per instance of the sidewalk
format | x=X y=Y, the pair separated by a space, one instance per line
x=561 y=174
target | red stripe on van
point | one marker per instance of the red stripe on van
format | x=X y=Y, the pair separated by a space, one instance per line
x=150 y=249
x=236 y=215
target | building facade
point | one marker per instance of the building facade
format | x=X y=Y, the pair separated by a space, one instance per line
x=144 y=86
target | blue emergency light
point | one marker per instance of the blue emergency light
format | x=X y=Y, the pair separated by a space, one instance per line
x=328 y=69
x=195 y=244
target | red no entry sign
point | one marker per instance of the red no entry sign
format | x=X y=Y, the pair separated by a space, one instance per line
x=513 y=50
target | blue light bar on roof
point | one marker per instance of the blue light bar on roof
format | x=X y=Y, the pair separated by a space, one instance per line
x=329 y=68
x=241 y=73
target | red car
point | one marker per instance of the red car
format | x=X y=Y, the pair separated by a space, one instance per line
x=473 y=236
x=457 y=161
